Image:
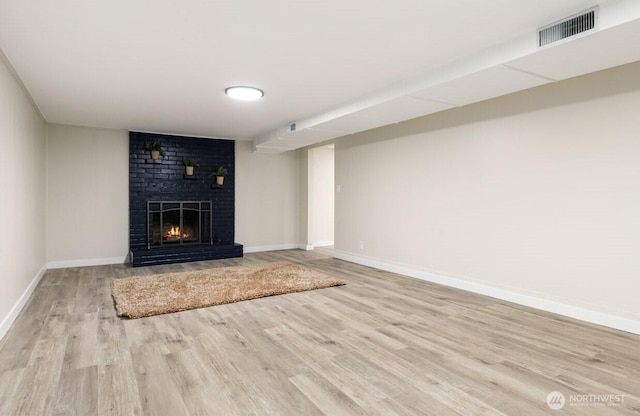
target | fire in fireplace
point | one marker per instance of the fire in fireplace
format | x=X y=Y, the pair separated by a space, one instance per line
x=178 y=223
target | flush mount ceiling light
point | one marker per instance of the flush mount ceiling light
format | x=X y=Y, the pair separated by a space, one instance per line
x=244 y=93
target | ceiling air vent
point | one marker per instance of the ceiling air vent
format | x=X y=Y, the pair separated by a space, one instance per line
x=567 y=28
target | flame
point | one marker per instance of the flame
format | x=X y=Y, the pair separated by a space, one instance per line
x=174 y=232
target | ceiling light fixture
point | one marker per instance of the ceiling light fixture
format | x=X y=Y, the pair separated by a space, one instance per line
x=244 y=93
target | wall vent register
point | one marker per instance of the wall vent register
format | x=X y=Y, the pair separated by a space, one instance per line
x=568 y=27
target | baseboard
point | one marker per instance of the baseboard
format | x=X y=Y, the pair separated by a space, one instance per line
x=15 y=311
x=536 y=302
x=86 y=262
x=275 y=247
x=323 y=243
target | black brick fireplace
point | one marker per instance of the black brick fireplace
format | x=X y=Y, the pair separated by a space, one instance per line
x=174 y=217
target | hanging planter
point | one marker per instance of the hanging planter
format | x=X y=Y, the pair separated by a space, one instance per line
x=155 y=147
x=219 y=173
x=189 y=163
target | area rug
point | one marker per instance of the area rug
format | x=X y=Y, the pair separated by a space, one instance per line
x=140 y=296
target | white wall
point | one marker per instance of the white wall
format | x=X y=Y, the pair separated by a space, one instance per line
x=87 y=196
x=266 y=199
x=321 y=195
x=534 y=194
x=22 y=197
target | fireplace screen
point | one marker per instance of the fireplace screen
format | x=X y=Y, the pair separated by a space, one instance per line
x=171 y=223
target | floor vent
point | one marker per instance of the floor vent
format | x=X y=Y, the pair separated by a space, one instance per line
x=567 y=28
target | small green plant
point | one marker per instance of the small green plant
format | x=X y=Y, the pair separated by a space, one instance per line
x=221 y=171
x=154 y=145
x=189 y=161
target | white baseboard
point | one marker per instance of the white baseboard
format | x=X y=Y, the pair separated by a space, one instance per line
x=560 y=308
x=15 y=311
x=275 y=247
x=86 y=262
x=323 y=243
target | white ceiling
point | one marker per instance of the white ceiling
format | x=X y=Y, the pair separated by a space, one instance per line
x=334 y=67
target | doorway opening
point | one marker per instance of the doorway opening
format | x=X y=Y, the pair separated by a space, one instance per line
x=321 y=194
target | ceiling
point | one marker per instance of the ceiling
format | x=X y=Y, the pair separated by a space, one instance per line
x=332 y=67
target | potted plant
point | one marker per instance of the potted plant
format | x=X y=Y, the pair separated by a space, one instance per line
x=155 y=147
x=220 y=173
x=189 y=164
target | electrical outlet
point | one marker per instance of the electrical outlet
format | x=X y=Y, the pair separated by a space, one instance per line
x=360 y=245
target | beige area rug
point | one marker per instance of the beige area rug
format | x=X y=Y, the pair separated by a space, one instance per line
x=140 y=296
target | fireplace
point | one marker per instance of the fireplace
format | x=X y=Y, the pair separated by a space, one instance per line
x=174 y=218
x=178 y=223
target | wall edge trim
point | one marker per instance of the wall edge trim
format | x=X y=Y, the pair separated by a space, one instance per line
x=323 y=243
x=547 y=305
x=86 y=262
x=274 y=247
x=8 y=321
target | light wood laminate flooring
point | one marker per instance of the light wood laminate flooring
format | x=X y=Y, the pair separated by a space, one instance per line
x=381 y=345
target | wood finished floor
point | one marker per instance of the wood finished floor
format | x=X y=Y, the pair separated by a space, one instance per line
x=381 y=345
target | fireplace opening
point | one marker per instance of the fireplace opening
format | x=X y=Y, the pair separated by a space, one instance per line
x=171 y=223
